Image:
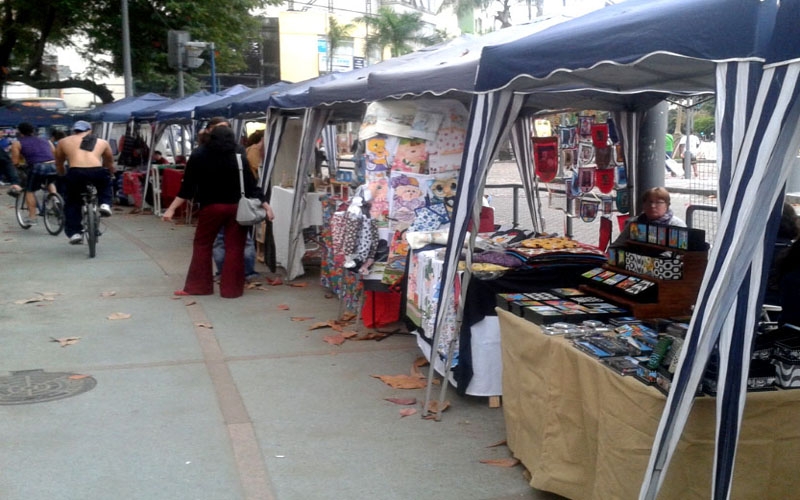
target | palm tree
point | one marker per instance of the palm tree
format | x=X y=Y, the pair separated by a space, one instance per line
x=336 y=34
x=395 y=30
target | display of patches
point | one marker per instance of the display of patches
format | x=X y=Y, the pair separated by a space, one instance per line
x=545 y=157
x=378 y=187
x=585 y=153
x=376 y=154
x=593 y=272
x=604 y=180
x=640 y=264
x=602 y=157
x=443 y=189
x=604 y=276
x=599 y=135
x=407 y=193
x=585 y=123
x=668 y=269
x=586 y=178
x=410 y=156
x=627 y=283
x=568 y=137
x=613 y=280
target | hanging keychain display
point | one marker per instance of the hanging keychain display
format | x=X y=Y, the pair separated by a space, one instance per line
x=588 y=208
x=545 y=157
x=586 y=178
x=604 y=179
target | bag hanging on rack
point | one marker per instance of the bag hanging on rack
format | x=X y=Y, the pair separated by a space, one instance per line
x=250 y=210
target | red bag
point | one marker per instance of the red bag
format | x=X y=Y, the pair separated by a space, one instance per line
x=380 y=308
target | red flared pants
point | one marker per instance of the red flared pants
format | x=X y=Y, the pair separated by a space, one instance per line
x=200 y=278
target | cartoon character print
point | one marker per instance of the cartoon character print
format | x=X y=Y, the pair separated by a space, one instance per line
x=408 y=196
x=376 y=153
x=411 y=156
x=443 y=190
x=378 y=186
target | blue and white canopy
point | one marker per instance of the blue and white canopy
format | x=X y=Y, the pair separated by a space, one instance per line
x=628 y=56
x=120 y=111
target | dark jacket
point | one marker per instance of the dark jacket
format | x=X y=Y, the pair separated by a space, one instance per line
x=212 y=176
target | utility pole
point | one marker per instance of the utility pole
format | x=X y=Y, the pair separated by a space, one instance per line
x=126 y=51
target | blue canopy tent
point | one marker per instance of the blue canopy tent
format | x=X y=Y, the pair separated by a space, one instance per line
x=748 y=52
x=224 y=107
x=447 y=69
x=110 y=115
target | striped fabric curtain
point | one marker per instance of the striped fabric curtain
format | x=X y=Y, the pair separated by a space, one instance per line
x=276 y=122
x=331 y=150
x=521 y=134
x=491 y=118
x=758 y=129
x=314 y=120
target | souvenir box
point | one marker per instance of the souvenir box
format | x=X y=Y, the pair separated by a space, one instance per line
x=623 y=365
x=504 y=300
x=631 y=287
x=658 y=267
x=787 y=372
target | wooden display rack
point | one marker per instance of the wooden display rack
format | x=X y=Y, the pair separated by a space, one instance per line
x=675 y=297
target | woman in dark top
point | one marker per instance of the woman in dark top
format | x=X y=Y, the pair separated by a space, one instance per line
x=211 y=178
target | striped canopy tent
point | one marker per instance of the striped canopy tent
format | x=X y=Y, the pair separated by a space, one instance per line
x=625 y=59
x=446 y=70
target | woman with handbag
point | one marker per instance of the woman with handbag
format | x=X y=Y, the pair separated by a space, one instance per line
x=214 y=180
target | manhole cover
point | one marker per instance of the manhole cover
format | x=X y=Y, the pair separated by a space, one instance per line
x=38 y=386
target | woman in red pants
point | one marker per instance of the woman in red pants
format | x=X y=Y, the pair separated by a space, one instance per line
x=211 y=178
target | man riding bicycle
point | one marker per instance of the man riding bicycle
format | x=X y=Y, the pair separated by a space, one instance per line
x=90 y=162
x=38 y=155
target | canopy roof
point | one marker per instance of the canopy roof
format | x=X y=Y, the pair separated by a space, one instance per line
x=635 y=48
x=222 y=107
x=120 y=111
x=182 y=110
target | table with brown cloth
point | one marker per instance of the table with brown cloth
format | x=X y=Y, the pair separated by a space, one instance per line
x=585 y=432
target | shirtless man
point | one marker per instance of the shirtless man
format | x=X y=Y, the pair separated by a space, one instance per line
x=90 y=162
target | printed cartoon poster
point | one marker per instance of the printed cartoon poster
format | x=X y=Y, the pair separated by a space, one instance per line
x=378 y=187
x=446 y=150
x=408 y=192
x=443 y=189
x=389 y=118
x=410 y=155
x=376 y=153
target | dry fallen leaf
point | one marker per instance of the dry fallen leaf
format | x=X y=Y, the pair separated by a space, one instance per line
x=401 y=381
x=110 y=293
x=318 y=325
x=371 y=336
x=301 y=318
x=405 y=412
x=190 y=303
x=402 y=401
x=337 y=339
x=348 y=316
x=119 y=315
x=335 y=326
x=78 y=377
x=204 y=325
x=349 y=335
x=499 y=443
x=30 y=300
x=65 y=341
x=176 y=298
x=501 y=462
x=416 y=365
x=283 y=307
x=433 y=407
x=299 y=285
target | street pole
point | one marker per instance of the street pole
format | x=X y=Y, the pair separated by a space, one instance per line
x=213 y=68
x=181 y=49
x=126 y=51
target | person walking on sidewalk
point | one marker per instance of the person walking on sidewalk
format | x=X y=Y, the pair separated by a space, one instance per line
x=212 y=179
x=90 y=161
x=38 y=155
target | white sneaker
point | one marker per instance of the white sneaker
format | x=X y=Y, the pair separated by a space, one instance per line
x=76 y=239
x=105 y=210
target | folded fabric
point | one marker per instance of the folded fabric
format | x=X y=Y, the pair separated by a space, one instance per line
x=499 y=258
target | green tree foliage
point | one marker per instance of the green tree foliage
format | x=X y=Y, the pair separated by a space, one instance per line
x=27 y=28
x=398 y=31
x=337 y=33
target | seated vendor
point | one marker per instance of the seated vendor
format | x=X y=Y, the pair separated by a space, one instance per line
x=655 y=210
x=158 y=159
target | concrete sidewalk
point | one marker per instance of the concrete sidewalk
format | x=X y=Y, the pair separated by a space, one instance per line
x=208 y=398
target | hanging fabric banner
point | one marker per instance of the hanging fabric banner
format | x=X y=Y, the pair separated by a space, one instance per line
x=545 y=157
x=604 y=179
x=623 y=201
x=602 y=157
x=600 y=135
x=586 y=176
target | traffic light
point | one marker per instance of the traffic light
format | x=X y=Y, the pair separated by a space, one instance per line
x=193 y=50
x=176 y=40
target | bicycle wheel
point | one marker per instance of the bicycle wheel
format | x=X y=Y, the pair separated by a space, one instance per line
x=21 y=210
x=54 y=213
x=91 y=228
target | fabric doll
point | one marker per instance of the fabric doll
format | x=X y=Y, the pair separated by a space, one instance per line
x=408 y=197
x=411 y=156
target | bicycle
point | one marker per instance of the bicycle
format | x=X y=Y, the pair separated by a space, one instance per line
x=50 y=205
x=90 y=218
